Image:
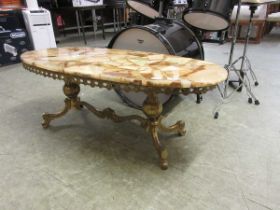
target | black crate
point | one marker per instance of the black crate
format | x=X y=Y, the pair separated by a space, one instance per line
x=12 y=44
x=11 y=19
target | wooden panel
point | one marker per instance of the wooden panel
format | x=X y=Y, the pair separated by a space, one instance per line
x=13 y=3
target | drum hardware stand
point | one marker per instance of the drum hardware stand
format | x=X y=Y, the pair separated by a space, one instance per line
x=243 y=78
x=244 y=59
x=199 y=34
x=161 y=5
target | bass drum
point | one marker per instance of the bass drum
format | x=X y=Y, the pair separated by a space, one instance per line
x=164 y=36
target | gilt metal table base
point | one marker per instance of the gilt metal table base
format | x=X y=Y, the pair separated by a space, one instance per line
x=129 y=71
x=151 y=108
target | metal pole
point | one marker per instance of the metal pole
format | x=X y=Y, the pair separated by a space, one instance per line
x=236 y=30
x=161 y=4
x=94 y=22
x=233 y=43
x=114 y=17
x=78 y=22
x=253 y=9
x=82 y=25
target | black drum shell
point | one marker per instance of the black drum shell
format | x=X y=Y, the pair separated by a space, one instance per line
x=219 y=8
x=153 y=4
x=135 y=18
x=177 y=37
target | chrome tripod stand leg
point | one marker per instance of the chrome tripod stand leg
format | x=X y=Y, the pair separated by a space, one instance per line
x=245 y=60
x=252 y=73
x=247 y=85
x=219 y=106
x=225 y=95
x=237 y=60
x=244 y=81
x=226 y=83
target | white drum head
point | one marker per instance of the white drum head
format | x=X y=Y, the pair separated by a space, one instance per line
x=206 y=21
x=143 y=9
x=141 y=40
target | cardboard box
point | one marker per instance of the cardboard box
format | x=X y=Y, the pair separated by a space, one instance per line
x=86 y=3
x=12 y=44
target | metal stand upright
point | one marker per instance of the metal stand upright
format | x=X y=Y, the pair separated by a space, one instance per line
x=243 y=78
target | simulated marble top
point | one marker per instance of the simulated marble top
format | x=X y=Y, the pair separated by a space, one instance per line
x=258 y=1
x=127 y=67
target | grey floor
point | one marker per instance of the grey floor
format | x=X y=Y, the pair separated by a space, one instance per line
x=83 y=163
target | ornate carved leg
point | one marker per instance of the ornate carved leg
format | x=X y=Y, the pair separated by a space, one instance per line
x=179 y=127
x=71 y=90
x=47 y=118
x=162 y=151
x=153 y=109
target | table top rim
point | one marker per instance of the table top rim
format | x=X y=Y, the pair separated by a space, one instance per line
x=48 y=72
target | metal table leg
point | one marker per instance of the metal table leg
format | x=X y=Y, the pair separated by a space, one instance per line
x=78 y=22
x=82 y=26
x=114 y=19
x=118 y=19
x=94 y=22
x=102 y=24
x=125 y=15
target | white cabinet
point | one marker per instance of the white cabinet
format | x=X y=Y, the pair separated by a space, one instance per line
x=40 y=30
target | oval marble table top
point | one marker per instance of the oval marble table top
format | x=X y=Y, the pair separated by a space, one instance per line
x=127 y=67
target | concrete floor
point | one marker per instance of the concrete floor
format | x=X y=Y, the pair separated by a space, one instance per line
x=84 y=163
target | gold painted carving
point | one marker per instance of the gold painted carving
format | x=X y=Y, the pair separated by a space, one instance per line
x=151 y=107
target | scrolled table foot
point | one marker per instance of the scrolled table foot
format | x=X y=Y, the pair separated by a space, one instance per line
x=47 y=118
x=161 y=150
x=71 y=90
x=178 y=128
x=163 y=160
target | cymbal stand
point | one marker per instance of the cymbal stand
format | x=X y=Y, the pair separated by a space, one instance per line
x=244 y=59
x=243 y=77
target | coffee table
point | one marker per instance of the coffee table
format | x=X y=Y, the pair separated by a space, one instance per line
x=150 y=73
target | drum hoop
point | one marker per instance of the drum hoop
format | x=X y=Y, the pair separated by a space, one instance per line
x=207 y=12
x=126 y=1
x=166 y=43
